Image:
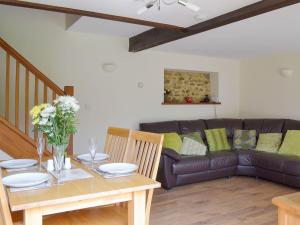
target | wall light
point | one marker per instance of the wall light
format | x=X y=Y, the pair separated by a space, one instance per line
x=286 y=72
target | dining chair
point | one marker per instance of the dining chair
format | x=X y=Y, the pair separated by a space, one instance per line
x=116 y=143
x=144 y=150
x=5 y=214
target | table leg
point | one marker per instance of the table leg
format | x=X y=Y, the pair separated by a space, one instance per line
x=33 y=217
x=137 y=209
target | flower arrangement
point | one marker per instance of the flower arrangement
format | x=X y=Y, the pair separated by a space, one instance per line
x=56 y=121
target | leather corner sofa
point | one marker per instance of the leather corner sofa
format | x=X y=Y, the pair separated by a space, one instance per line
x=176 y=170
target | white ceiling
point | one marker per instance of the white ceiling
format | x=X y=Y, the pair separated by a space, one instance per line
x=274 y=32
x=270 y=33
x=174 y=14
x=107 y=27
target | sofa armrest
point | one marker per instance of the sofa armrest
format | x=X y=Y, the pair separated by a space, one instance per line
x=165 y=172
x=171 y=154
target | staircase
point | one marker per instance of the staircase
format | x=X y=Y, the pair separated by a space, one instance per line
x=22 y=86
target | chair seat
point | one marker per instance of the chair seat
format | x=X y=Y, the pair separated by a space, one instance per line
x=114 y=215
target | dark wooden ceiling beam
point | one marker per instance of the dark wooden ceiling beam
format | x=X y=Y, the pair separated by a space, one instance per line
x=79 y=12
x=157 y=36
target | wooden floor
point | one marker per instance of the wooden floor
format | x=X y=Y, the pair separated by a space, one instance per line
x=234 y=201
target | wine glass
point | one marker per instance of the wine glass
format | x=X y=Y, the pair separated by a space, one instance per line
x=40 y=149
x=92 y=150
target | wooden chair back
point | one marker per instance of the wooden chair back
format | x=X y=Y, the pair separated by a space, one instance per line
x=5 y=215
x=116 y=143
x=144 y=149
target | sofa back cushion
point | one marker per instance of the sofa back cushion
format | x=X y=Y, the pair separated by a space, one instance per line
x=272 y=126
x=291 y=125
x=264 y=125
x=253 y=124
x=190 y=126
x=161 y=127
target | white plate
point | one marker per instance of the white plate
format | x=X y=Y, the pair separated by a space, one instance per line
x=18 y=163
x=87 y=157
x=25 y=179
x=118 y=168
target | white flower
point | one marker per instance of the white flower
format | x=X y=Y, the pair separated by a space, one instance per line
x=75 y=107
x=67 y=103
x=48 y=111
x=43 y=121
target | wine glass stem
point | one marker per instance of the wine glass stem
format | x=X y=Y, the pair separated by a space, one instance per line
x=58 y=176
x=40 y=162
x=92 y=163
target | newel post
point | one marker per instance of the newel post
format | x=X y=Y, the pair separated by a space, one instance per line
x=69 y=90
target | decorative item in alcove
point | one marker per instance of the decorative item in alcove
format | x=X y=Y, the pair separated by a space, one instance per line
x=167 y=98
x=186 y=87
x=205 y=99
x=188 y=99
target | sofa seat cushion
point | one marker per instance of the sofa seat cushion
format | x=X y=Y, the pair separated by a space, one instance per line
x=269 y=161
x=222 y=159
x=245 y=157
x=191 y=164
x=292 y=165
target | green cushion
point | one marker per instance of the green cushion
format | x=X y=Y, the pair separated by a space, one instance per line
x=192 y=144
x=194 y=135
x=217 y=139
x=291 y=143
x=244 y=139
x=172 y=141
x=269 y=142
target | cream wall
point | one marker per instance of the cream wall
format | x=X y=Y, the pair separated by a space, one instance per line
x=264 y=93
x=111 y=99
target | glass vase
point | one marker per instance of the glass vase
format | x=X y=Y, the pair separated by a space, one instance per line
x=58 y=159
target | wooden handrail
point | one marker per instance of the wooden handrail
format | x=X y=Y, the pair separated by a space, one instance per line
x=31 y=67
x=39 y=77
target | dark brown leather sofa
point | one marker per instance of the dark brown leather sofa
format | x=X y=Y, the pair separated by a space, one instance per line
x=178 y=170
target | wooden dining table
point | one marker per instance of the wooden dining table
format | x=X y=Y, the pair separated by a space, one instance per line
x=84 y=193
x=288 y=209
